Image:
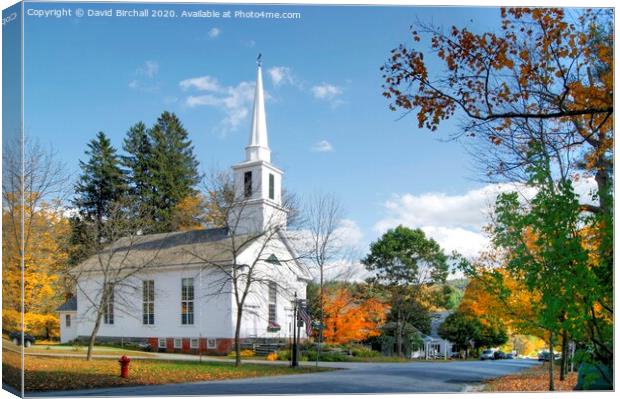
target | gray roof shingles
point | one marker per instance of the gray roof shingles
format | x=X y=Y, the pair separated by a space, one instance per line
x=70 y=305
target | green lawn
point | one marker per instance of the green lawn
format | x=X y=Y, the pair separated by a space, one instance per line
x=74 y=349
x=57 y=373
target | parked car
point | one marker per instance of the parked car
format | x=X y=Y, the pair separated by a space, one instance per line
x=499 y=355
x=487 y=355
x=510 y=356
x=545 y=356
x=16 y=338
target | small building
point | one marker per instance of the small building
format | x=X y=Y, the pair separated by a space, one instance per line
x=66 y=313
x=433 y=346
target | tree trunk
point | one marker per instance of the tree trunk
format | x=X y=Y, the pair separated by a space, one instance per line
x=563 y=363
x=551 y=382
x=237 y=339
x=93 y=335
x=399 y=335
x=321 y=318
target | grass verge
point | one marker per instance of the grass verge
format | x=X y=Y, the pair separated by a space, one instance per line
x=534 y=379
x=50 y=373
x=74 y=350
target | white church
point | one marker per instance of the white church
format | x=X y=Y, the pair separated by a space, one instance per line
x=181 y=297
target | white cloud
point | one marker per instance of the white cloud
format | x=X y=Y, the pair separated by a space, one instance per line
x=214 y=32
x=326 y=91
x=323 y=146
x=206 y=83
x=144 y=76
x=234 y=101
x=456 y=221
x=348 y=244
x=281 y=75
x=149 y=69
x=349 y=234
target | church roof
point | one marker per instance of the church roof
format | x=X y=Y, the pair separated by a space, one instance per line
x=70 y=305
x=198 y=247
x=164 y=249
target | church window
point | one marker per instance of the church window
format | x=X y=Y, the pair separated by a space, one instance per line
x=247 y=184
x=148 y=302
x=211 y=343
x=273 y=297
x=187 y=301
x=272 y=187
x=161 y=342
x=178 y=343
x=108 y=305
x=68 y=320
x=193 y=343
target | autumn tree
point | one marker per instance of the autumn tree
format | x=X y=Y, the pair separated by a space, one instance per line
x=324 y=214
x=350 y=318
x=406 y=262
x=545 y=248
x=33 y=233
x=544 y=73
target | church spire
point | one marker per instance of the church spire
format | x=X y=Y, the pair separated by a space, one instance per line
x=258 y=147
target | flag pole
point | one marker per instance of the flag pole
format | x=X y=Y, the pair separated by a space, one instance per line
x=294 y=362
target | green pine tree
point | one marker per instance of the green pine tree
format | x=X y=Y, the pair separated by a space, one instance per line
x=173 y=169
x=138 y=161
x=102 y=181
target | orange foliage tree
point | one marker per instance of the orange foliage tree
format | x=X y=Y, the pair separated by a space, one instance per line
x=349 y=318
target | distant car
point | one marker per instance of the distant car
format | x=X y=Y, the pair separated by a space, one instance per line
x=499 y=355
x=510 y=356
x=16 y=338
x=487 y=355
x=545 y=356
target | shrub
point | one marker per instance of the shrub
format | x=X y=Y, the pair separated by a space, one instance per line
x=272 y=356
x=284 y=354
x=244 y=353
x=364 y=352
x=327 y=356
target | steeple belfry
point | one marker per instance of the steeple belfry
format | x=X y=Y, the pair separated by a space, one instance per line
x=258 y=146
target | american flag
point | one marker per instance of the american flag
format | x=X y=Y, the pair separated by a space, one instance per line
x=303 y=315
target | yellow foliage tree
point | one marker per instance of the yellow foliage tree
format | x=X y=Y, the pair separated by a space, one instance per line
x=188 y=214
x=45 y=229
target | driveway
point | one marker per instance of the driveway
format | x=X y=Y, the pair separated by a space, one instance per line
x=452 y=376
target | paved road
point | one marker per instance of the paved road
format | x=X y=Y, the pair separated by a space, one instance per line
x=357 y=378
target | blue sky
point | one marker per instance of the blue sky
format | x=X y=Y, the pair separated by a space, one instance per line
x=323 y=84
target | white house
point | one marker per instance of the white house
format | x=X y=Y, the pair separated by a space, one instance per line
x=433 y=346
x=180 y=298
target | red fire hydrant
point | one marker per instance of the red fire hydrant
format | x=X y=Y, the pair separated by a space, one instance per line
x=124 y=362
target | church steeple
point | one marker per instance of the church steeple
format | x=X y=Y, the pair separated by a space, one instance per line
x=258 y=184
x=258 y=146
